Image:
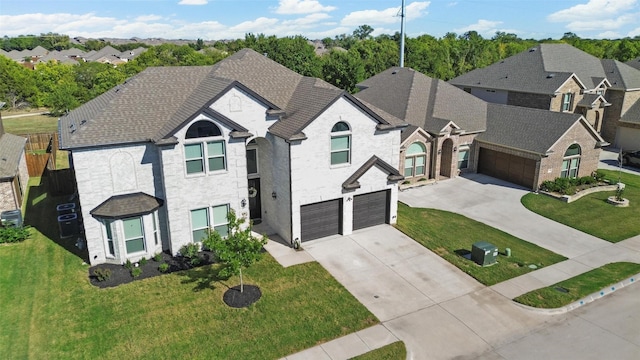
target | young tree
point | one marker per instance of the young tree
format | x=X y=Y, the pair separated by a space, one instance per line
x=240 y=249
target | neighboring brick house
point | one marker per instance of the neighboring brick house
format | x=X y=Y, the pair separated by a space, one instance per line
x=561 y=78
x=165 y=156
x=14 y=174
x=452 y=131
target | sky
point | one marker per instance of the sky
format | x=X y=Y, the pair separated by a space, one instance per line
x=317 y=19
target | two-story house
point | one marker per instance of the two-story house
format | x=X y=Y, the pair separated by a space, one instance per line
x=452 y=131
x=166 y=155
x=561 y=78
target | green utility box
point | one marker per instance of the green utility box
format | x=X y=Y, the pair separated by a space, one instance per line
x=484 y=253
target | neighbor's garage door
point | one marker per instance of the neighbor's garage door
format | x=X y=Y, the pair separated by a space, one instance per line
x=321 y=219
x=511 y=168
x=370 y=209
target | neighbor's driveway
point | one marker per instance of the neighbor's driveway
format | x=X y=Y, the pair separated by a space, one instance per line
x=497 y=203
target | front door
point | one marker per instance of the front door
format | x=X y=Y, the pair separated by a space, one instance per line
x=255 y=209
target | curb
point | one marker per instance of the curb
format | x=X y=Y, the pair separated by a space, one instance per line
x=585 y=300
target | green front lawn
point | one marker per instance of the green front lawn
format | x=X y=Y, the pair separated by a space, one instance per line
x=580 y=286
x=592 y=214
x=451 y=235
x=49 y=310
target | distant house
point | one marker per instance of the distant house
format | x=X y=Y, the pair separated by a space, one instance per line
x=561 y=78
x=14 y=174
x=165 y=156
x=452 y=131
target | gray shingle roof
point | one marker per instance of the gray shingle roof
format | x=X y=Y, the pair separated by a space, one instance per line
x=621 y=76
x=153 y=104
x=634 y=63
x=11 y=149
x=120 y=206
x=527 y=129
x=422 y=101
x=632 y=115
x=541 y=70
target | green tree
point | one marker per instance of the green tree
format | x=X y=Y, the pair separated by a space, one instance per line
x=17 y=85
x=240 y=249
x=363 y=32
x=343 y=69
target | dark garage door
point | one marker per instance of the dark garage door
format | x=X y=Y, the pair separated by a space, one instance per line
x=321 y=219
x=511 y=168
x=370 y=209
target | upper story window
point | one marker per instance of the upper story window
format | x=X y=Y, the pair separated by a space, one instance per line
x=202 y=151
x=566 y=101
x=340 y=143
x=415 y=160
x=571 y=162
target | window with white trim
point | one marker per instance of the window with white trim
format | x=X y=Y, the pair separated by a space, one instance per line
x=415 y=160
x=202 y=151
x=214 y=218
x=133 y=235
x=340 y=143
x=154 y=218
x=566 y=101
x=463 y=158
x=111 y=250
x=571 y=162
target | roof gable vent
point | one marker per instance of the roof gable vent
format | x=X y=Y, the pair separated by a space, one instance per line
x=551 y=76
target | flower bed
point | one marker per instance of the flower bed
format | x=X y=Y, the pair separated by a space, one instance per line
x=581 y=192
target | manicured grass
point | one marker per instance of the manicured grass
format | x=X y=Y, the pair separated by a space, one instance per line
x=49 y=310
x=393 y=351
x=592 y=214
x=579 y=286
x=31 y=124
x=451 y=235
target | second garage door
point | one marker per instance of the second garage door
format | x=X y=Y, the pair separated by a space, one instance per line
x=370 y=209
x=321 y=219
x=512 y=168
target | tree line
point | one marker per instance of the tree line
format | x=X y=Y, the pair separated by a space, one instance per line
x=347 y=60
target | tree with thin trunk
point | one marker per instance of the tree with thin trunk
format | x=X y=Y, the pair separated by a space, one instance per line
x=238 y=250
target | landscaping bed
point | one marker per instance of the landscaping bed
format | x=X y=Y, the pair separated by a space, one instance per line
x=120 y=274
x=592 y=214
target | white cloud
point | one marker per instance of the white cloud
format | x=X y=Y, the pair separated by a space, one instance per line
x=454 y=3
x=608 y=35
x=635 y=32
x=603 y=23
x=312 y=19
x=482 y=26
x=387 y=16
x=301 y=7
x=593 y=10
x=193 y=2
x=149 y=18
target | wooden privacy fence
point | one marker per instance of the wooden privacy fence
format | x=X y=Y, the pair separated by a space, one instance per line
x=40 y=152
x=61 y=182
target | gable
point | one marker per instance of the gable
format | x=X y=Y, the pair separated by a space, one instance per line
x=392 y=173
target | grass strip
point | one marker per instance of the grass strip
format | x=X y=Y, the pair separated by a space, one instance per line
x=451 y=236
x=393 y=351
x=576 y=288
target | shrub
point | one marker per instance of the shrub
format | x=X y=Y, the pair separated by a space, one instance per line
x=598 y=175
x=13 y=234
x=157 y=257
x=570 y=190
x=619 y=194
x=143 y=261
x=102 y=274
x=135 y=272
x=128 y=264
x=164 y=267
x=190 y=252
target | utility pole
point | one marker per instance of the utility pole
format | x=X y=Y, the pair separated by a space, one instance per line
x=402 y=16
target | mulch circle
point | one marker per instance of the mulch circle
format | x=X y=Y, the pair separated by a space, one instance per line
x=236 y=299
x=121 y=275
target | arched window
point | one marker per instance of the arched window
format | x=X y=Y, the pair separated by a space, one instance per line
x=571 y=162
x=415 y=160
x=340 y=143
x=205 y=150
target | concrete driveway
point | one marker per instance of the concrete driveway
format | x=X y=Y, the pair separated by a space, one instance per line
x=497 y=203
x=436 y=309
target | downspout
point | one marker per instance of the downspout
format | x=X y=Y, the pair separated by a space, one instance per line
x=290 y=198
